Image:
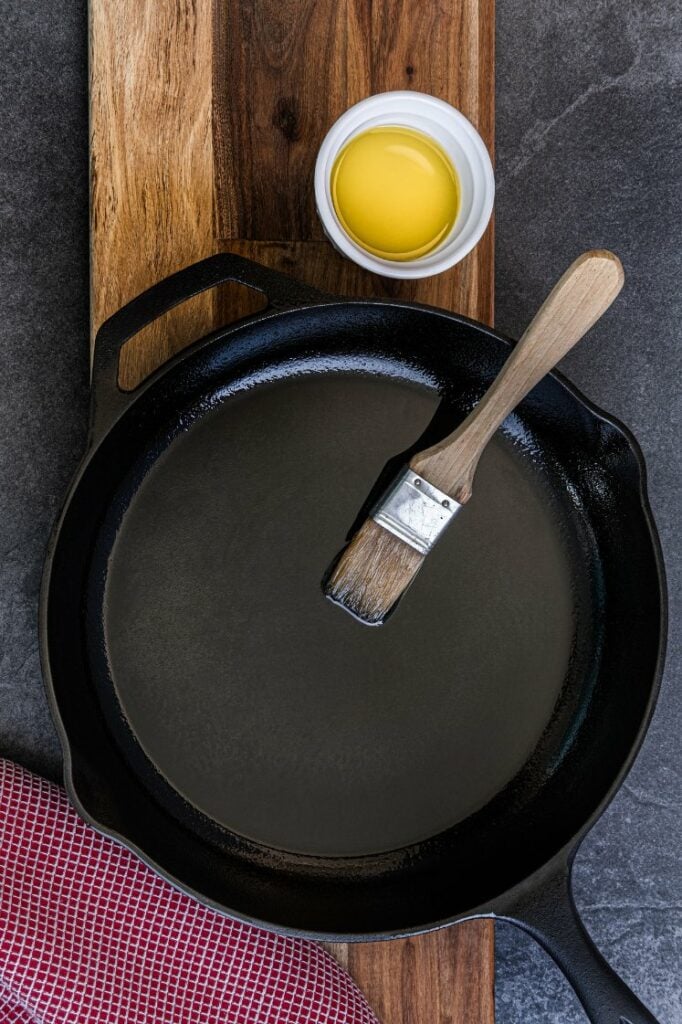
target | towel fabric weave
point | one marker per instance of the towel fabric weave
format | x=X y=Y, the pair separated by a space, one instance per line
x=91 y=935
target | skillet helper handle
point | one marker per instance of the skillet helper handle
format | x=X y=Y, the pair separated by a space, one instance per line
x=578 y=299
x=282 y=292
x=549 y=914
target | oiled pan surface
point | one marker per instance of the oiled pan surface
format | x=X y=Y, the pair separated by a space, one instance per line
x=278 y=715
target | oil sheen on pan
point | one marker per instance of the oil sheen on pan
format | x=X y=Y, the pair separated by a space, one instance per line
x=270 y=710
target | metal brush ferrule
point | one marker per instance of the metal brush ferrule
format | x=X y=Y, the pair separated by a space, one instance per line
x=415 y=511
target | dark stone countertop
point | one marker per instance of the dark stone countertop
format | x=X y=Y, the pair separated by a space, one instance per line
x=588 y=154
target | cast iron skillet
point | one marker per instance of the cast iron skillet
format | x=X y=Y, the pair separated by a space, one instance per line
x=258 y=747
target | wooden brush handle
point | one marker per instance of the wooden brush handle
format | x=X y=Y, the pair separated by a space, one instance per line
x=578 y=299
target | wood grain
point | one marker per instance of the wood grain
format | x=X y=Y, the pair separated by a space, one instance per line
x=445 y=977
x=151 y=163
x=285 y=70
x=205 y=121
x=180 y=168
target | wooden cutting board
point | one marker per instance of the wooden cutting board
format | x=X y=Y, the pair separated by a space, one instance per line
x=205 y=122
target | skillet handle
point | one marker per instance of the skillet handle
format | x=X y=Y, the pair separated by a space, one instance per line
x=548 y=913
x=282 y=292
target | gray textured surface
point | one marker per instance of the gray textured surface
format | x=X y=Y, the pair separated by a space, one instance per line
x=588 y=154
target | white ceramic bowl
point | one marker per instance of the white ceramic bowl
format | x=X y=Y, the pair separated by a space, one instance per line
x=460 y=140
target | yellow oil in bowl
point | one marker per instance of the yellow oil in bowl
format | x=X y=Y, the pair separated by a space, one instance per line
x=395 y=192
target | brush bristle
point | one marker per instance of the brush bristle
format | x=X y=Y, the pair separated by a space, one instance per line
x=372 y=573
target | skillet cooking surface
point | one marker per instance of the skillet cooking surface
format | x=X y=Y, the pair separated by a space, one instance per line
x=275 y=713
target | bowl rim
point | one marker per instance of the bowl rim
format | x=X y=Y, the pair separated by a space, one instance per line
x=419 y=109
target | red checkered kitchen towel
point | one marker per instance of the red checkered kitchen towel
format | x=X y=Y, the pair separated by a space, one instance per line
x=90 y=935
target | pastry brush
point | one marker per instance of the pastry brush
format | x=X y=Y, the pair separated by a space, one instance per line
x=388 y=550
